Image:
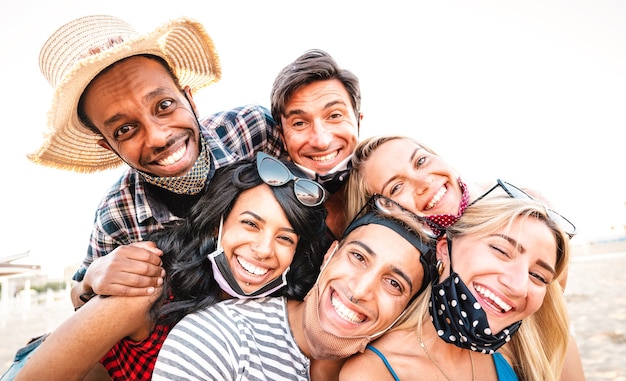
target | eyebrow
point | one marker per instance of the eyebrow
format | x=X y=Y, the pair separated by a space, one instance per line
x=394 y=269
x=257 y=217
x=146 y=99
x=522 y=250
x=328 y=105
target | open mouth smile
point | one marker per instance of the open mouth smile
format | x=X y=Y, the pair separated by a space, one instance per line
x=325 y=158
x=344 y=312
x=174 y=157
x=493 y=299
x=251 y=268
x=436 y=198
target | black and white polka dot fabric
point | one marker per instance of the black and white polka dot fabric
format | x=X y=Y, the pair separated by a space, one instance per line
x=460 y=320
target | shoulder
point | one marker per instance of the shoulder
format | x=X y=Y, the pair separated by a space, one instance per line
x=123 y=184
x=384 y=357
x=255 y=312
x=239 y=133
x=503 y=368
x=231 y=316
x=364 y=366
x=122 y=192
x=221 y=339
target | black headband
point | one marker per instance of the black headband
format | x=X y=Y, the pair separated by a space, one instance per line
x=425 y=248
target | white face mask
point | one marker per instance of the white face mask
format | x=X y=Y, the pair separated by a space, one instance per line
x=227 y=282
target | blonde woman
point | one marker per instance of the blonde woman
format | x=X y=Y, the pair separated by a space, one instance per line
x=499 y=267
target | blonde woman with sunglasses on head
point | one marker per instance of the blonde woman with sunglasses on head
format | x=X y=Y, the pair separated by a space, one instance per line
x=257 y=231
x=499 y=267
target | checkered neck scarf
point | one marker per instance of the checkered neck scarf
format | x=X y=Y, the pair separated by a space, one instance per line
x=446 y=220
x=190 y=183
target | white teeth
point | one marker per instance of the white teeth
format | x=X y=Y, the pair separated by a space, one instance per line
x=436 y=198
x=490 y=295
x=252 y=269
x=173 y=158
x=328 y=157
x=344 y=312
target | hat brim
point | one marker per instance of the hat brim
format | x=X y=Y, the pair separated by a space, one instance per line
x=182 y=43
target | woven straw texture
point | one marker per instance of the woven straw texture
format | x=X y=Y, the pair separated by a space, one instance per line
x=81 y=49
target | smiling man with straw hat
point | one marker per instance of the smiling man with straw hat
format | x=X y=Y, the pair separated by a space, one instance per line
x=121 y=96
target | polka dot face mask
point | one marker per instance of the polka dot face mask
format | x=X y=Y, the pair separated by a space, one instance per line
x=460 y=320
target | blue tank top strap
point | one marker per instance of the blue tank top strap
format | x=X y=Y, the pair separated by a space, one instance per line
x=382 y=357
x=503 y=368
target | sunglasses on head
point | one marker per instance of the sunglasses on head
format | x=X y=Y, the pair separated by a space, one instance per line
x=515 y=192
x=388 y=206
x=274 y=173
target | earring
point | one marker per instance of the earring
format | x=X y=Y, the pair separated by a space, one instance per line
x=440 y=267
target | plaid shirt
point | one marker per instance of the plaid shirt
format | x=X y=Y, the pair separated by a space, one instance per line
x=130 y=360
x=128 y=211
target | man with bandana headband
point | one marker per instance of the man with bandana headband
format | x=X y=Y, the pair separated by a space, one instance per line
x=366 y=282
x=499 y=268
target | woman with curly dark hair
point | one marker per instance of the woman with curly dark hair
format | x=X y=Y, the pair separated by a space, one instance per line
x=257 y=231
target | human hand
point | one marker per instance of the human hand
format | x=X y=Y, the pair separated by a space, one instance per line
x=129 y=270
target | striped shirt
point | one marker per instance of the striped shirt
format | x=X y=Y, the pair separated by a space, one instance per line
x=129 y=210
x=237 y=339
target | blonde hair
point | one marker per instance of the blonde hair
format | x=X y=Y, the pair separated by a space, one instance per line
x=357 y=192
x=538 y=349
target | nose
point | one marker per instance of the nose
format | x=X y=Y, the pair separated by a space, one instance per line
x=420 y=185
x=515 y=279
x=321 y=137
x=156 y=135
x=362 y=287
x=262 y=247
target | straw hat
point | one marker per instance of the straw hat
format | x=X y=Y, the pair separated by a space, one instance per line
x=81 y=49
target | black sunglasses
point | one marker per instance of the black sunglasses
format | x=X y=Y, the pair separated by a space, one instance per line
x=516 y=192
x=388 y=206
x=274 y=173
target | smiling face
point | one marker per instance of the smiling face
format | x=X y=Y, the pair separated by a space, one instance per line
x=376 y=268
x=319 y=127
x=144 y=117
x=420 y=181
x=507 y=271
x=258 y=240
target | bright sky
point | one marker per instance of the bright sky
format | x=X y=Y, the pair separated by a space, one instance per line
x=532 y=92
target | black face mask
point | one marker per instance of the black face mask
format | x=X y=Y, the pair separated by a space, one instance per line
x=460 y=320
x=334 y=181
x=226 y=280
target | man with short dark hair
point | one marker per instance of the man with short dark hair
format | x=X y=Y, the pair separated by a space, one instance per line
x=317 y=107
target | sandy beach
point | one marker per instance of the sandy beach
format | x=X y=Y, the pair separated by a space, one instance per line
x=597 y=307
x=594 y=295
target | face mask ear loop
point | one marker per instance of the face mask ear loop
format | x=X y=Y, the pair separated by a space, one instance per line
x=219 y=234
x=449 y=241
x=326 y=262
x=380 y=333
x=218 y=246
